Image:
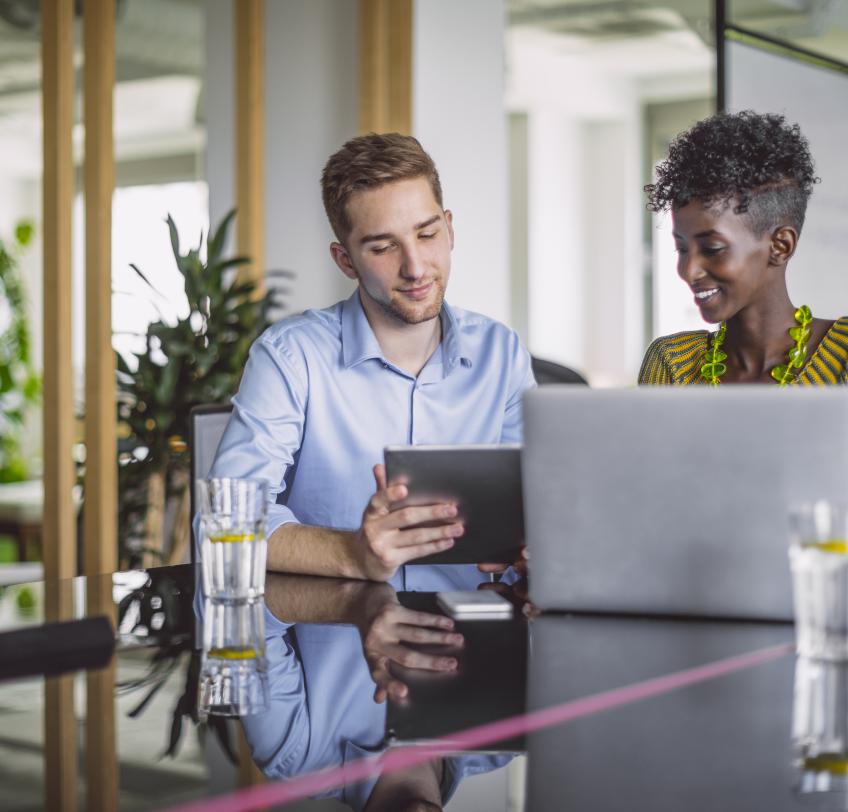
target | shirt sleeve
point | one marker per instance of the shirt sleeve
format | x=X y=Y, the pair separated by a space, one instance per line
x=520 y=381
x=279 y=737
x=265 y=430
x=655 y=370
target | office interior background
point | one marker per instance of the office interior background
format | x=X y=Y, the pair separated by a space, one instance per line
x=545 y=118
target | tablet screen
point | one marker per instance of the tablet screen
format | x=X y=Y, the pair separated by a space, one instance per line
x=484 y=481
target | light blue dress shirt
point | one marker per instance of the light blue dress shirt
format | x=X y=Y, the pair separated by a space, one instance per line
x=318 y=403
x=322 y=713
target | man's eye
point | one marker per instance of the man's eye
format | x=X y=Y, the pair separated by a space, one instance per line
x=427 y=236
x=712 y=250
x=379 y=249
x=681 y=249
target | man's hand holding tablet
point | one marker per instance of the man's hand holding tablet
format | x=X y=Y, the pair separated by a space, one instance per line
x=482 y=481
x=394 y=533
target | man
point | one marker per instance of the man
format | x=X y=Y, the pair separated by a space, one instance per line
x=324 y=392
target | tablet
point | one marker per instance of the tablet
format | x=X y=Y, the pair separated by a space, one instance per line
x=484 y=481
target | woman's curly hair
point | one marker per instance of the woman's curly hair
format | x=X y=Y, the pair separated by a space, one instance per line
x=756 y=161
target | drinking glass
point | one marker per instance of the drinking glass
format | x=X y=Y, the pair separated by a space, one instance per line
x=232 y=527
x=820 y=731
x=233 y=670
x=818 y=560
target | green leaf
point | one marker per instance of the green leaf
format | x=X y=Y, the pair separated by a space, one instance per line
x=217 y=240
x=175 y=237
x=24 y=232
x=144 y=278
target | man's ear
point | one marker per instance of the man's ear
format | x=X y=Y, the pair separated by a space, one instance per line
x=342 y=258
x=784 y=241
x=449 y=221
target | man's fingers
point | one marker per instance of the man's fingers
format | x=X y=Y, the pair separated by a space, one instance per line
x=419 y=536
x=416 y=659
x=387 y=683
x=418 y=514
x=417 y=634
x=380 y=476
x=383 y=499
x=419 y=550
x=427 y=619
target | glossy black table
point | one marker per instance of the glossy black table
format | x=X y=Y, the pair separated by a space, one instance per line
x=722 y=742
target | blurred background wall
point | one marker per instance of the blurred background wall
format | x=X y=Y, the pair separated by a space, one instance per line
x=545 y=117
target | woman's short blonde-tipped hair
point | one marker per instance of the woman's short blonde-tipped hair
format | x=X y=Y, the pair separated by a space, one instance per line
x=367 y=162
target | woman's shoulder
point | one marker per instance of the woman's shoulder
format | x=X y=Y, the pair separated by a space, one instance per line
x=683 y=341
x=674 y=358
x=839 y=329
x=836 y=340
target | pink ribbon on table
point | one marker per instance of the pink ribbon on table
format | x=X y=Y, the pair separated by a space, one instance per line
x=399 y=758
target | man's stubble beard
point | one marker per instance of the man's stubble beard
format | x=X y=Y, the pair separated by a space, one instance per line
x=410 y=314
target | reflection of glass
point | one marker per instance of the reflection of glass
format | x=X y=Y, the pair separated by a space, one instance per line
x=233 y=671
x=820 y=730
x=819 y=563
x=234 y=549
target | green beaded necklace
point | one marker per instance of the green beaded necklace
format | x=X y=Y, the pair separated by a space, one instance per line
x=714 y=367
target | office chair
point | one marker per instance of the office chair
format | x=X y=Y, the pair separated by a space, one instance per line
x=550 y=372
x=206 y=427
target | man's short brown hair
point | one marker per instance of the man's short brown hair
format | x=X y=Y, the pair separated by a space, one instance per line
x=367 y=162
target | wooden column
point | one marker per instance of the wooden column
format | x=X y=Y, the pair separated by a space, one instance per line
x=101 y=491
x=250 y=136
x=249 y=16
x=385 y=66
x=59 y=526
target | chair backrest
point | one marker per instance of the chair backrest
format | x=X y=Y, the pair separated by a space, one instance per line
x=207 y=424
x=551 y=372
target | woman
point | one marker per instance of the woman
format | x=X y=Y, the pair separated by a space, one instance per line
x=737 y=186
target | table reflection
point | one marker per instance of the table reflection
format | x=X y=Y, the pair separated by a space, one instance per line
x=820 y=731
x=332 y=648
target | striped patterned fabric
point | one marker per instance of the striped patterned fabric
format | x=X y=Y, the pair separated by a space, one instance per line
x=677 y=359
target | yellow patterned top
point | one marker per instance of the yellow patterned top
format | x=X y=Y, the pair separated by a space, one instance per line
x=677 y=359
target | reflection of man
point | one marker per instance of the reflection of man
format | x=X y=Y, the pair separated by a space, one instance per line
x=322 y=713
x=324 y=392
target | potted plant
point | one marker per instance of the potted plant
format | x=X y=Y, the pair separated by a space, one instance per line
x=20 y=385
x=199 y=360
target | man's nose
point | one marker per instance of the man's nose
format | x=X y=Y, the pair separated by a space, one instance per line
x=413 y=263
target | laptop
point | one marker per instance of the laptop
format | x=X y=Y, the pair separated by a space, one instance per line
x=674 y=500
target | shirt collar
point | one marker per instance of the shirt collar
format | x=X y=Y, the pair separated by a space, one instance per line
x=358 y=340
x=360 y=344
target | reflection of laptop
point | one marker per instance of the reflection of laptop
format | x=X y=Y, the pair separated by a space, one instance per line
x=674 y=500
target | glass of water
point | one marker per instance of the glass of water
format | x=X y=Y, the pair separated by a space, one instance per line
x=818 y=560
x=233 y=670
x=820 y=731
x=232 y=526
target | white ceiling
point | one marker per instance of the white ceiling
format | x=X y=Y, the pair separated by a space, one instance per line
x=158 y=95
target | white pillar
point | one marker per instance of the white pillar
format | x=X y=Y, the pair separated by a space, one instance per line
x=458 y=115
